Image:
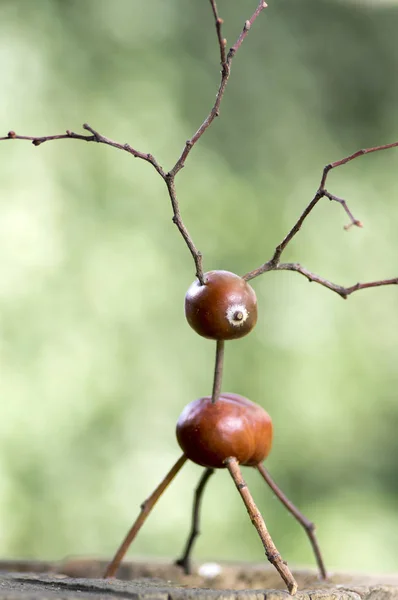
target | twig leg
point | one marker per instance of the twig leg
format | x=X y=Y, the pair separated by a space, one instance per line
x=184 y=561
x=146 y=508
x=255 y=516
x=308 y=525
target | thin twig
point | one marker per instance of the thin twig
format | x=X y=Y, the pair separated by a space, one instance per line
x=246 y=29
x=168 y=177
x=177 y=220
x=255 y=516
x=344 y=292
x=146 y=508
x=353 y=220
x=274 y=264
x=347 y=159
x=222 y=42
x=309 y=527
x=101 y=139
x=218 y=371
x=226 y=70
x=95 y=137
x=185 y=561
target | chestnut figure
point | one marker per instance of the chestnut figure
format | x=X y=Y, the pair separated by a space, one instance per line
x=209 y=433
x=225 y=434
x=225 y=308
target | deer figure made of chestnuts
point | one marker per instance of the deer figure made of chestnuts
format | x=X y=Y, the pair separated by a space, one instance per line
x=224 y=430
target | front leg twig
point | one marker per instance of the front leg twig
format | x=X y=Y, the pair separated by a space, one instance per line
x=255 y=516
x=146 y=508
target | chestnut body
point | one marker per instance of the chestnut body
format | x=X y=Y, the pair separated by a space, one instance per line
x=233 y=426
x=225 y=308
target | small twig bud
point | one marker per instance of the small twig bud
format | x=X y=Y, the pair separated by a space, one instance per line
x=356 y=223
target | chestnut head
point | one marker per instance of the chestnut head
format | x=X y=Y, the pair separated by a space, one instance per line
x=224 y=308
x=208 y=433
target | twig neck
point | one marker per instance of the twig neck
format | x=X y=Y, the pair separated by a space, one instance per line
x=218 y=371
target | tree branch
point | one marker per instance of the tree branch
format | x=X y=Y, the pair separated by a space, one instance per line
x=95 y=137
x=177 y=220
x=168 y=177
x=274 y=264
x=225 y=73
x=347 y=159
x=222 y=42
x=344 y=292
x=246 y=29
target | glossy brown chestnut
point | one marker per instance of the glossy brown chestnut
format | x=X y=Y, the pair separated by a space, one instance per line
x=233 y=426
x=225 y=308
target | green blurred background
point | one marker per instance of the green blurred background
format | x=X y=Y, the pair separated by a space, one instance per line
x=97 y=360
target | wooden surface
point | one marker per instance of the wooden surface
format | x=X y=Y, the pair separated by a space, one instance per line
x=72 y=579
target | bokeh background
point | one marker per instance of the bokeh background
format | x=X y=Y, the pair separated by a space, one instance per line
x=97 y=360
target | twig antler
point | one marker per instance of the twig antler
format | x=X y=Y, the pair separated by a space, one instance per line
x=169 y=176
x=274 y=264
